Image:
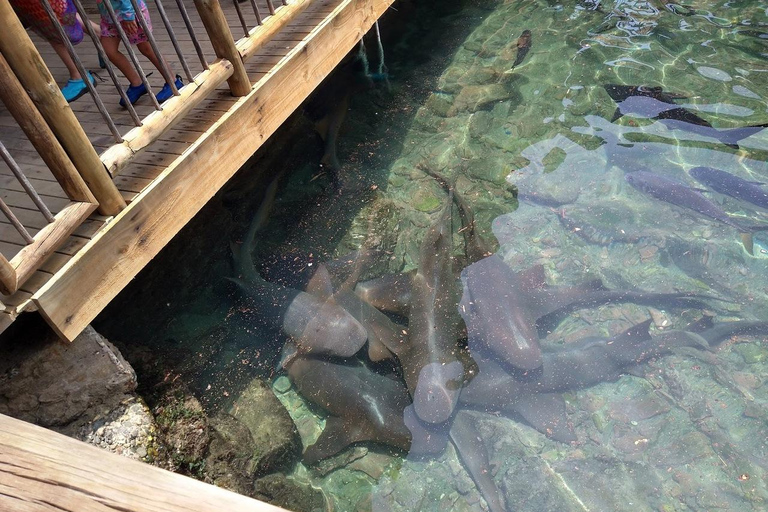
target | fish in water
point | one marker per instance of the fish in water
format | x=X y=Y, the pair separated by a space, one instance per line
x=655 y=103
x=317 y=326
x=506 y=311
x=475 y=246
x=474 y=456
x=390 y=293
x=680 y=194
x=523 y=47
x=730 y=185
x=431 y=366
x=362 y=405
x=385 y=338
x=583 y=364
x=592 y=234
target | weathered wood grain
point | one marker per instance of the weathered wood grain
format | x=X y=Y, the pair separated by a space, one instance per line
x=43 y=471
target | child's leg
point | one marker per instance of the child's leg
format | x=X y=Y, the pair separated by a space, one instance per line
x=62 y=52
x=146 y=49
x=111 y=48
x=94 y=26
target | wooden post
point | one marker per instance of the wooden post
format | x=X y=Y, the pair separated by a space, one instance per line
x=223 y=44
x=23 y=110
x=8 y=281
x=31 y=71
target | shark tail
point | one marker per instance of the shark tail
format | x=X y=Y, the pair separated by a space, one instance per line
x=747 y=235
x=731 y=136
x=242 y=255
x=720 y=332
x=748 y=242
x=546 y=413
x=336 y=436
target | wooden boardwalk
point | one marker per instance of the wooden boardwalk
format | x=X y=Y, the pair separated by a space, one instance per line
x=173 y=147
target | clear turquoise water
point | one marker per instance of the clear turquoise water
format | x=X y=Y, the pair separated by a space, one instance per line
x=527 y=147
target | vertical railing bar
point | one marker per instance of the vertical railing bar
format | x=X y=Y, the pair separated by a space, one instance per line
x=256 y=12
x=110 y=68
x=271 y=7
x=143 y=24
x=175 y=43
x=15 y=221
x=83 y=72
x=240 y=15
x=120 y=32
x=31 y=192
x=191 y=30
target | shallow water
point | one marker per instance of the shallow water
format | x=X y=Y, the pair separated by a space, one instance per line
x=537 y=154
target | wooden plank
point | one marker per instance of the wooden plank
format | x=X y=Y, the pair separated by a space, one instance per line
x=90 y=280
x=22 y=200
x=35 y=281
x=43 y=187
x=44 y=471
x=9 y=233
x=5 y=319
x=12 y=302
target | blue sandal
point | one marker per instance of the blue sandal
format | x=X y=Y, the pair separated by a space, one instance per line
x=134 y=92
x=76 y=88
x=166 y=92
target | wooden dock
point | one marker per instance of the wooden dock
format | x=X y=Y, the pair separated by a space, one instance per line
x=169 y=168
x=42 y=471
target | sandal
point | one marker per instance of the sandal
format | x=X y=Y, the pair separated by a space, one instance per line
x=76 y=88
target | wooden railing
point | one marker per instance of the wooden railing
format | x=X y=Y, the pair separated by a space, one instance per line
x=56 y=228
x=32 y=96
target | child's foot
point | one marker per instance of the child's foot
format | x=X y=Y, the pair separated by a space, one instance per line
x=166 y=91
x=134 y=92
x=76 y=88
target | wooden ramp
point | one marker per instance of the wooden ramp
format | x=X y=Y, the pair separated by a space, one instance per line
x=167 y=180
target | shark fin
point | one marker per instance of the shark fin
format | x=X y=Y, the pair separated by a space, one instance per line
x=546 y=413
x=336 y=436
x=748 y=242
x=618 y=114
x=701 y=325
x=320 y=284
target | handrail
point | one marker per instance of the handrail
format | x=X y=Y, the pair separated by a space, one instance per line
x=261 y=35
x=24 y=111
x=34 y=76
x=15 y=272
x=36 y=103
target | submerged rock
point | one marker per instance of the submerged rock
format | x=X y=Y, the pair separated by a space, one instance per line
x=184 y=430
x=230 y=462
x=277 y=444
x=475 y=97
x=290 y=494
